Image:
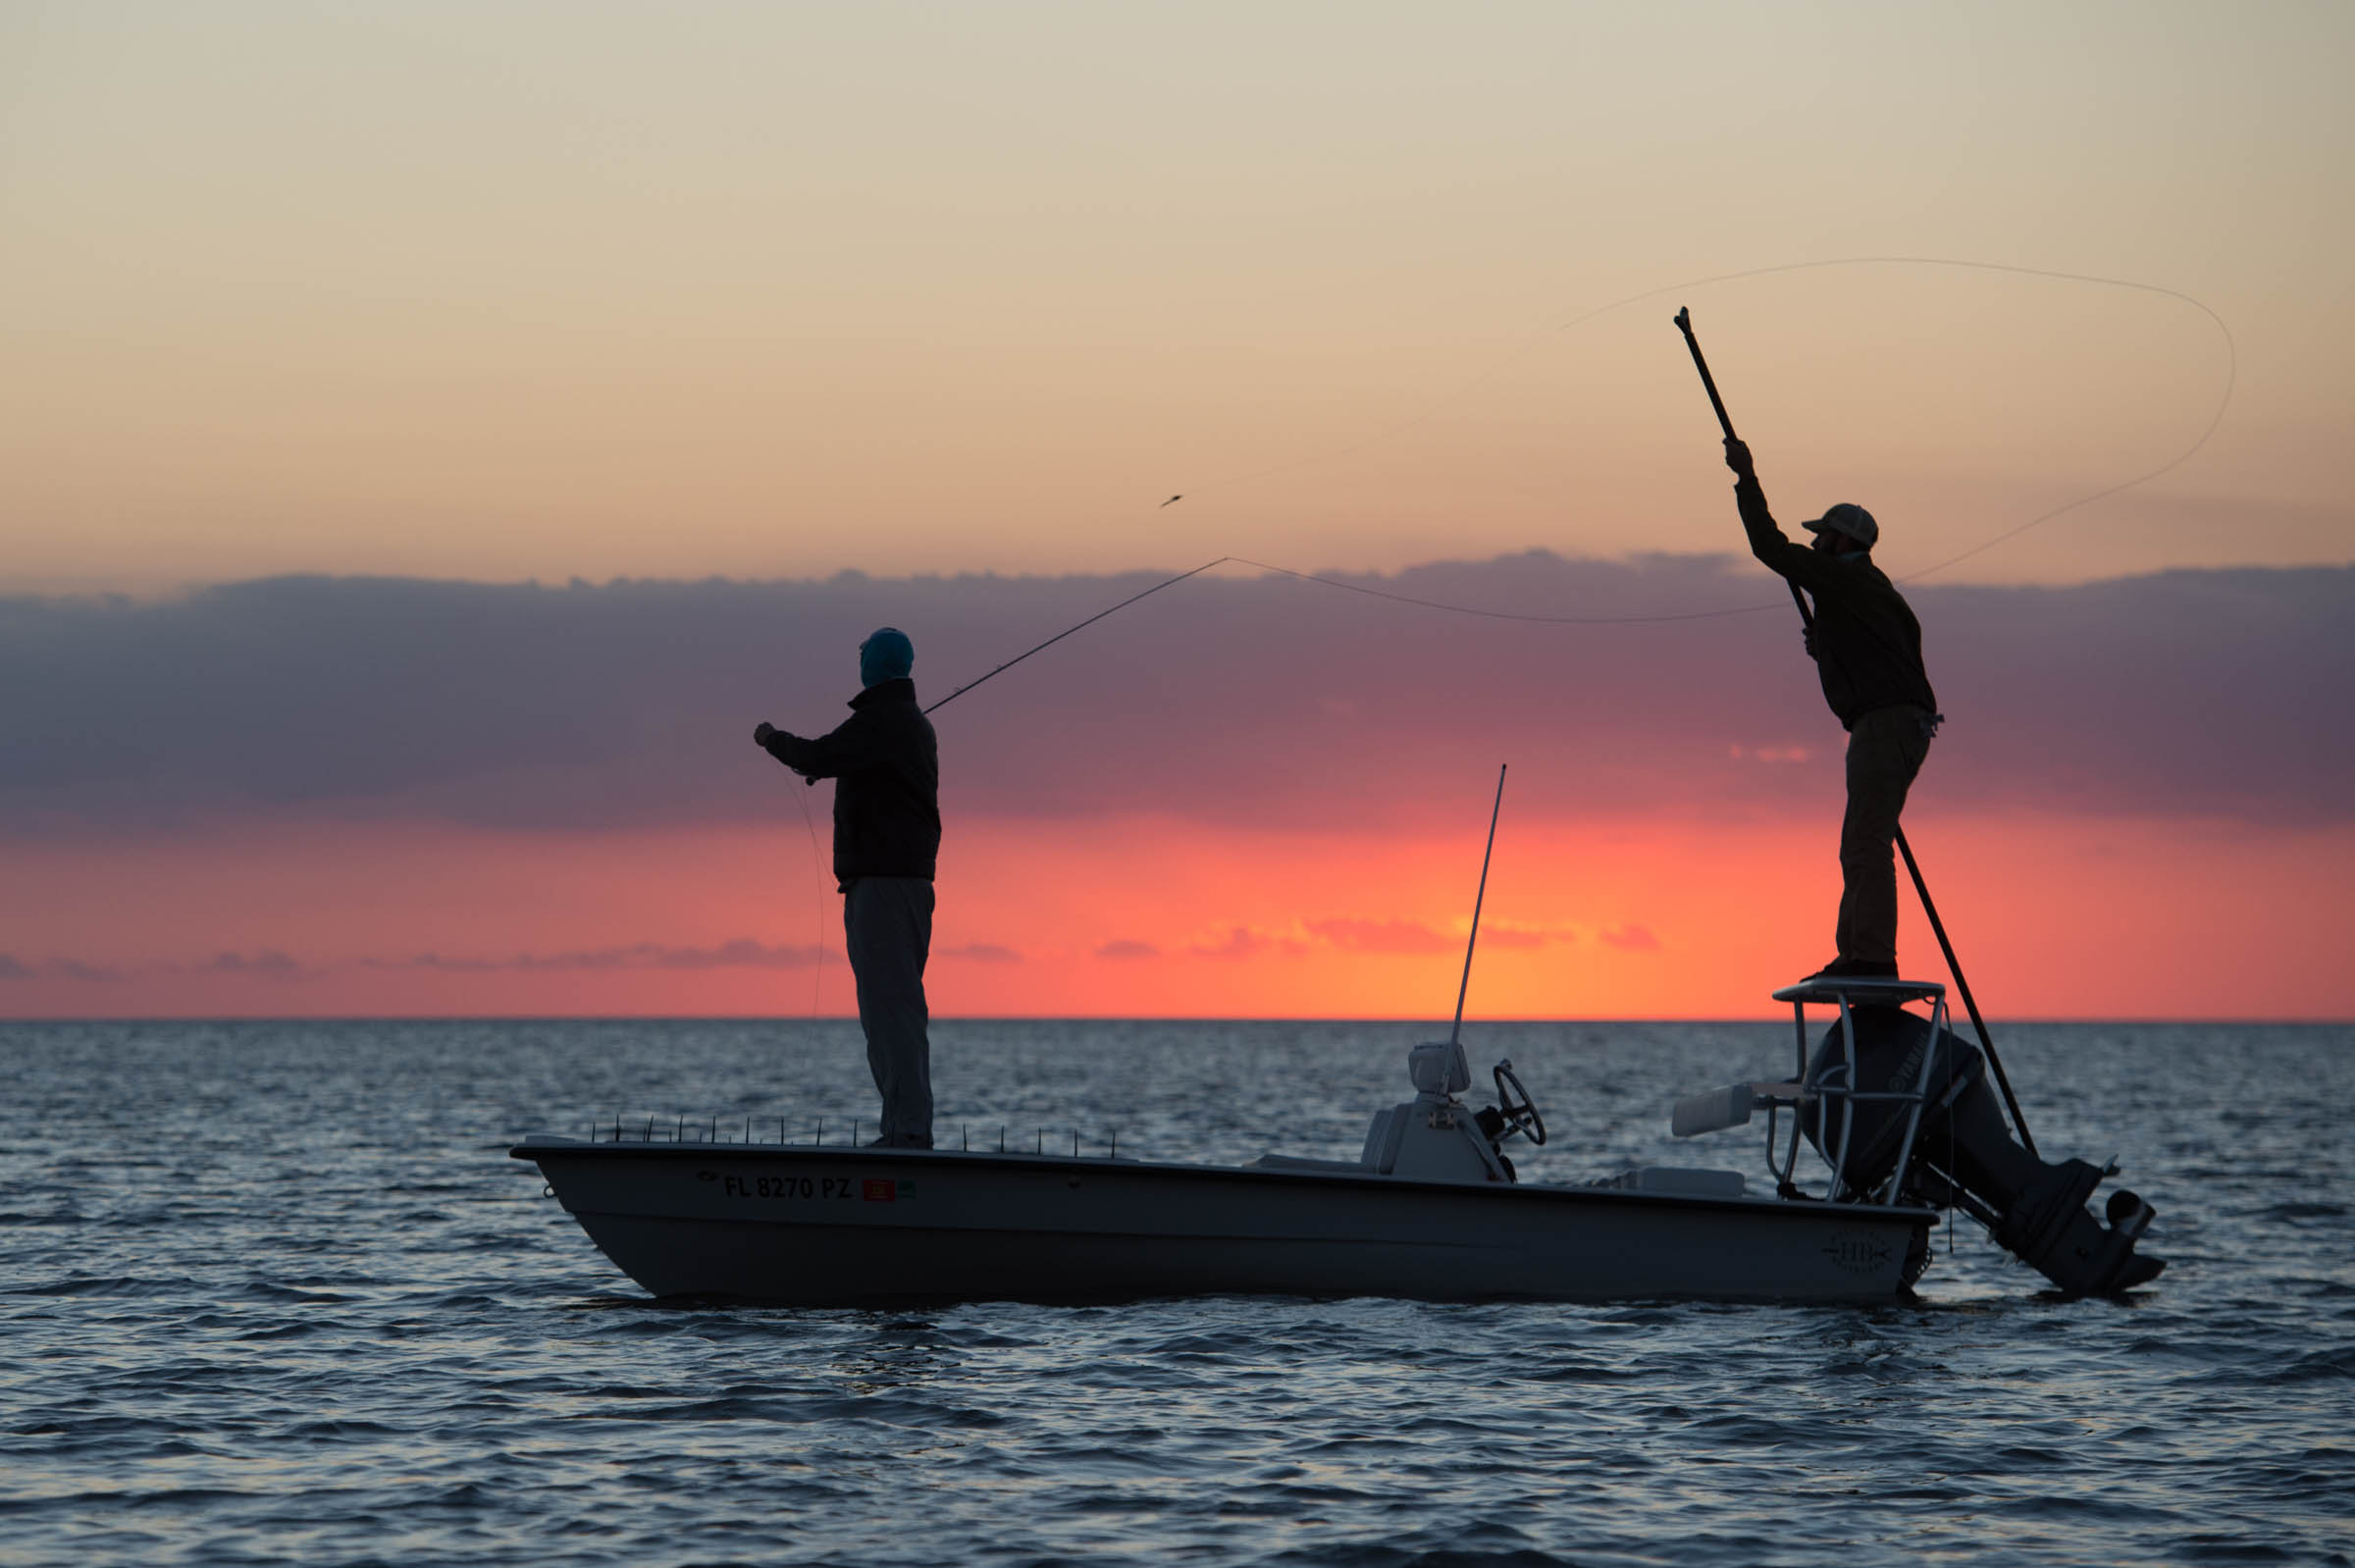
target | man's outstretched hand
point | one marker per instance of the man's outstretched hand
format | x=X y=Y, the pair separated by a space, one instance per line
x=1737 y=458
x=763 y=733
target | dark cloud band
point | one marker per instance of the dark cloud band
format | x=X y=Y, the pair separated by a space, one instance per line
x=1250 y=701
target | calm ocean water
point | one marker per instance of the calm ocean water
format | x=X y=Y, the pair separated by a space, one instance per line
x=273 y=1293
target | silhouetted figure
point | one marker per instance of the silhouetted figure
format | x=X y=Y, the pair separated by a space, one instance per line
x=886 y=845
x=1867 y=650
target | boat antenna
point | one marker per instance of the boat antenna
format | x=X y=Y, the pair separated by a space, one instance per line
x=1457 y=1028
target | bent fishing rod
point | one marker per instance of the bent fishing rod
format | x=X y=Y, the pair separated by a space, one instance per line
x=1167 y=582
x=1807 y=616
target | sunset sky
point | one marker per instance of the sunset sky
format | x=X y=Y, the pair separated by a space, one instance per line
x=435 y=435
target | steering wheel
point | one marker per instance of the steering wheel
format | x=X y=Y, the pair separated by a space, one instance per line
x=1521 y=1117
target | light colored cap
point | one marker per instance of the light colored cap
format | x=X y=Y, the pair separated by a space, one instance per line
x=1851 y=519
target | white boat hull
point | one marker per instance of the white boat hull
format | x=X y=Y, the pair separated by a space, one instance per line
x=830 y=1227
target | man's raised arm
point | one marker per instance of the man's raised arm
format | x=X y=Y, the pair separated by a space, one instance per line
x=1774 y=548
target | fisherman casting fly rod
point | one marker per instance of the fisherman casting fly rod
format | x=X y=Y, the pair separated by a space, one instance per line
x=1867 y=650
x=887 y=764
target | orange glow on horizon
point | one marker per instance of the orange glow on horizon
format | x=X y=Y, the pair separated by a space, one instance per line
x=1661 y=917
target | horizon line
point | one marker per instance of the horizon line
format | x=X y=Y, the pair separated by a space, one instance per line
x=1078 y=1018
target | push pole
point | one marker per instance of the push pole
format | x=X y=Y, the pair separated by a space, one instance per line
x=1708 y=382
x=1806 y=617
x=1961 y=984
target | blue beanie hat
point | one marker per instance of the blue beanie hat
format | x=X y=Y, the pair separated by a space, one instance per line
x=885 y=656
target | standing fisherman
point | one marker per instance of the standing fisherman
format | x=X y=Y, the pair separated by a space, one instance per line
x=886 y=844
x=1867 y=650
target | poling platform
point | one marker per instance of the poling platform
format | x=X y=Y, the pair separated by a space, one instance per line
x=1899 y=1106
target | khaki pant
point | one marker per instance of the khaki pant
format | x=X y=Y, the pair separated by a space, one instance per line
x=887 y=931
x=1885 y=751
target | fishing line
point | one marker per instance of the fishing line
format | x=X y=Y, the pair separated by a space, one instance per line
x=1497 y=615
x=1423 y=415
x=2215 y=421
x=818 y=866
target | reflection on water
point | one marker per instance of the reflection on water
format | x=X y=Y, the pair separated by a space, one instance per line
x=274 y=1293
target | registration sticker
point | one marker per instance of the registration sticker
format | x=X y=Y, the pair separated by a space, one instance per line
x=880 y=1189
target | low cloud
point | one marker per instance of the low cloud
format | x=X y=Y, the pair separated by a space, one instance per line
x=13 y=968
x=1495 y=935
x=743 y=953
x=1242 y=942
x=982 y=953
x=1232 y=700
x=1631 y=938
x=1379 y=936
x=1126 y=950
x=269 y=965
x=1350 y=934
x=1238 y=943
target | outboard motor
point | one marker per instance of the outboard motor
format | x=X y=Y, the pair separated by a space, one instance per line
x=1964 y=1155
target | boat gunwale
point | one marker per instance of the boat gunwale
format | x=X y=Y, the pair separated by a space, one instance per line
x=1816 y=1208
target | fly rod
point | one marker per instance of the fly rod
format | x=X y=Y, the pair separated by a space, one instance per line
x=1169 y=582
x=1457 y=1028
x=1807 y=616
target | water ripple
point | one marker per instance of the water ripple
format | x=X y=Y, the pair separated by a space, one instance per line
x=273 y=1293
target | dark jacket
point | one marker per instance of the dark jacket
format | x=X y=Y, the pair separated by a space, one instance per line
x=888 y=804
x=1868 y=643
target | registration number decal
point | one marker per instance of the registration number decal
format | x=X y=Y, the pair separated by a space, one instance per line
x=817 y=1189
x=787 y=1187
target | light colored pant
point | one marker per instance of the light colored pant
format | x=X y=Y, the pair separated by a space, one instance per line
x=887 y=931
x=1885 y=751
